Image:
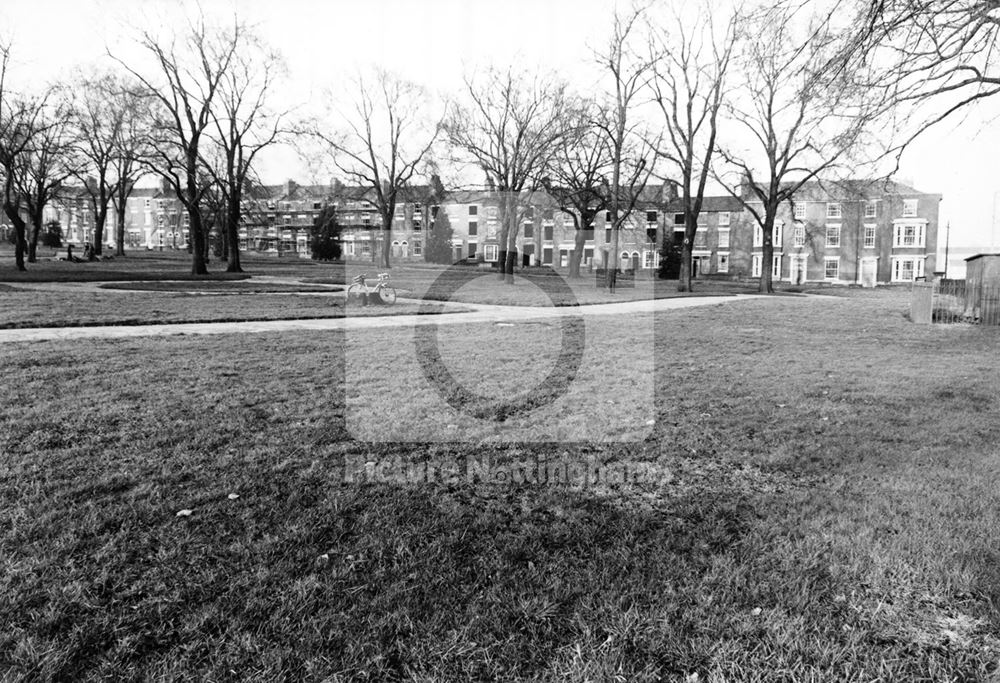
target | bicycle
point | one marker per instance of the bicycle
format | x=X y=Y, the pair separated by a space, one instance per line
x=360 y=290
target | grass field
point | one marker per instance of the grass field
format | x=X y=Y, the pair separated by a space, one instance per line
x=130 y=305
x=832 y=510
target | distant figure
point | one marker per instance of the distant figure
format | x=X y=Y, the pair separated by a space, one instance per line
x=69 y=252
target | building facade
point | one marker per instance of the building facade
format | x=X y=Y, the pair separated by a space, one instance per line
x=849 y=232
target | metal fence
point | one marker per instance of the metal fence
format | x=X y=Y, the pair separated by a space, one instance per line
x=960 y=301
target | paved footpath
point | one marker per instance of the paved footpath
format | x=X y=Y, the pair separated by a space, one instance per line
x=465 y=313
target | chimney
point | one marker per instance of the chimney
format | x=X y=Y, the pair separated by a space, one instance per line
x=668 y=192
x=165 y=186
x=289 y=187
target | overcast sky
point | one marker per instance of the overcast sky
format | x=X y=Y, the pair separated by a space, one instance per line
x=434 y=42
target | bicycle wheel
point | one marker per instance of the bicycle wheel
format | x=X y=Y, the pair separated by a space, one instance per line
x=354 y=293
x=388 y=295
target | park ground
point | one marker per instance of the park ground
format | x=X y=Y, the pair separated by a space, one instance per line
x=831 y=510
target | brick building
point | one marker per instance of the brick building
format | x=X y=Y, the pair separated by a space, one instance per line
x=857 y=231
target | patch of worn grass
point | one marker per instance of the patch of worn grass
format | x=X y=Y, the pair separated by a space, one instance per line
x=833 y=515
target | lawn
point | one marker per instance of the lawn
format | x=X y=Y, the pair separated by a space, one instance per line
x=537 y=286
x=65 y=306
x=828 y=510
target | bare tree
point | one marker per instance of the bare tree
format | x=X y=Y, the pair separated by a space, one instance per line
x=925 y=59
x=45 y=166
x=183 y=84
x=631 y=149
x=383 y=141
x=579 y=176
x=100 y=119
x=21 y=123
x=690 y=65
x=244 y=126
x=130 y=146
x=801 y=114
x=509 y=128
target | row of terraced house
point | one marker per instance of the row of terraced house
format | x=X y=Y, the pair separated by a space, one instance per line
x=849 y=232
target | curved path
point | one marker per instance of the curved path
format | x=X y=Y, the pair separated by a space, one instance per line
x=479 y=313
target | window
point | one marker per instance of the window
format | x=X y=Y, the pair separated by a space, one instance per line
x=755 y=266
x=701 y=238
x=758 y=235
x=831 y=268
x=473 y=210
x=650 y=216
x=607 y=236
x=588 y=256
x=491 y=212
x=366 y=248
x=799 y=235
x=649 y=259
x=833 y=210
x=547 y=214
x=418 y=247
x=547 y=256
x=473 y=228
x=723 y=263
x=909 y=208
x=833 y=235
x=724 y=218
x=607 y=216
x=317 y=206
x=547 y=233
x=776 y=267
x=472 y=249
x=908 y=235
x=869 y=209
x=678 y=219
x=723 y=239
x=529 y=213
x=799 y=211
x=869 y=236
x=907 y=269
x=529 y=231
x=490 y=252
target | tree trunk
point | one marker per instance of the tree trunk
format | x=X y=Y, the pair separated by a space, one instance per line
x=687 y=252
x=502 y=250
x=196 y=235
x=36 y=229
x=120 y=224
x=767 y=253
x=579 y=244
x=611 y=267
x=20 y=243
x=98 y=234
x=233 y=247
x=684 y=279
x=387 y=242
x=207 y=246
